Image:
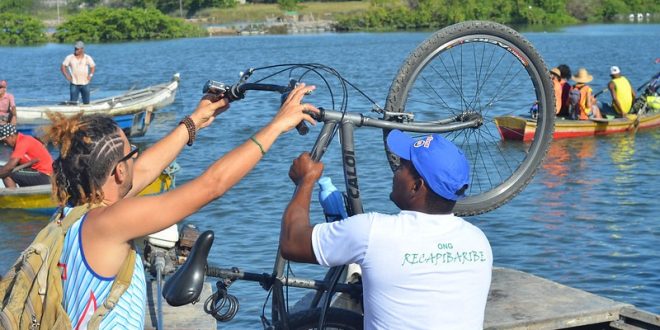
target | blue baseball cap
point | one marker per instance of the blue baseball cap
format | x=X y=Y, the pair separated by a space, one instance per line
x=440 y=163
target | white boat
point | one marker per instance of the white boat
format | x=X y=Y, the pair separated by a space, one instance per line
x=133 y=110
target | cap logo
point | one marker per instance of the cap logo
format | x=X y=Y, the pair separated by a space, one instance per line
x=425 y=143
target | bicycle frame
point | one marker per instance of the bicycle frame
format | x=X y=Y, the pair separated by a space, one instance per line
x=346 y=124
x=498 y=61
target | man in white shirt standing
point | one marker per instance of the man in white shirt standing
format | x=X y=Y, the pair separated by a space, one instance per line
x=78 y=68
x=422 y=268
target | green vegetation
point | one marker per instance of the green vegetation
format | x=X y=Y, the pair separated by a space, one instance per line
x=119 y=20
x=17 y=29
x=108 y=25
x=420 y=14
x=172 y=6
x=262 y=12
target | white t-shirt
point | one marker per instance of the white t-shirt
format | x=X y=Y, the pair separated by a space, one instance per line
x=419 y=271
x=79 y=68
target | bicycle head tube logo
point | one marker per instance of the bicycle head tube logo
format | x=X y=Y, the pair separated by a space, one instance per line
x=351 y=174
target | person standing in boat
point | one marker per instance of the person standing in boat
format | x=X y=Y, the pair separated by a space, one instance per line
x=421 y=268
x=586 y=107
x=78 y=68
x=30 y=164
x=623 y=94
x=7 y=105
x=100 y=168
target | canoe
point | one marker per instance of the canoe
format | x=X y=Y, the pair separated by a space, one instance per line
x=132 y=110
x=521 y=128
x=38 y=198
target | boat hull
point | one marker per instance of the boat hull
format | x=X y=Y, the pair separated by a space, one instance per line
x=519 y=128
x=38 y=198
x=133 y=110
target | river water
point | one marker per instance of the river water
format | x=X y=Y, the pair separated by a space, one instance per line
x=589 y=219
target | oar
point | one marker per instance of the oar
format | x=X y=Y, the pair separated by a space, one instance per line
x=601 y=92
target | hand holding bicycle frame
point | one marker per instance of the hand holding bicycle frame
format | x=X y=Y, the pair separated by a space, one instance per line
x=305 y=170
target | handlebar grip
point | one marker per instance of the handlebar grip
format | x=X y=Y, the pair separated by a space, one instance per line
x=232 y=93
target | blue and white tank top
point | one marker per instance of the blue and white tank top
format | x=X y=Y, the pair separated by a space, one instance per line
x=85 y=291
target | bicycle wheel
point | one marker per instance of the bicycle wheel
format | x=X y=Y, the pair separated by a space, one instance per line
x=335 y=318
x=488 y=70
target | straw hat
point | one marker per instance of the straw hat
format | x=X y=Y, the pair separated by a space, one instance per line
x=583 y=76
x=556 y=72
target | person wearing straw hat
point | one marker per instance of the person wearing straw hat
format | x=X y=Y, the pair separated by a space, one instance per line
x=30 y=164
x=7 y=105
x=623 y=94
x=586 y=107
x=78 y=68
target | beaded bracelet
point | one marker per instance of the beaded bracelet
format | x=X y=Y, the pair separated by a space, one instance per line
x=190 y=126
x=258 y=144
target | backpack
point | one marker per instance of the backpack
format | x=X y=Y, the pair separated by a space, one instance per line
x=574 y=103
x=31 y=292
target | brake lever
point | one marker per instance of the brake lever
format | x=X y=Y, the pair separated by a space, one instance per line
x=301 y=127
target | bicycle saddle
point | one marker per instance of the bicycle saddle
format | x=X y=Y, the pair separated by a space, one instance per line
x=185 y=285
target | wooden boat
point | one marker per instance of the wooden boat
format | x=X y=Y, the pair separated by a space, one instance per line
x=132 y=110
x=38 y=198
x=521 y=128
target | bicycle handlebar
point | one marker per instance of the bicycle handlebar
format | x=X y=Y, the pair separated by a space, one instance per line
x=237 y=92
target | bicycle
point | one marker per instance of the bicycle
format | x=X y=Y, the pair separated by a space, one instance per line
x=455 y=96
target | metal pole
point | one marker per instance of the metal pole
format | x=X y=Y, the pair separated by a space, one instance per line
x=58 y=11
x=181 y=8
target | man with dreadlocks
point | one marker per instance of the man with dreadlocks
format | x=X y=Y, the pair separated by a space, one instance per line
x=98 y=166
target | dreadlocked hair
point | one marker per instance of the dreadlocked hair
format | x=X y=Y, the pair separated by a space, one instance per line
x=89 y=148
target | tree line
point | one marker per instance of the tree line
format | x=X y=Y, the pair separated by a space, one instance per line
x=97 y=25
x=120 y=20
x=420 y=14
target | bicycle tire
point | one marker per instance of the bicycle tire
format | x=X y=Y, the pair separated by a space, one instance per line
x=500 y=169
x=335 y=318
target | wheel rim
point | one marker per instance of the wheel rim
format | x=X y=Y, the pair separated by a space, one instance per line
x=489 y=76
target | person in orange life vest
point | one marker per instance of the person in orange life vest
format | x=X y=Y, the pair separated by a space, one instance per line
x=555 y=75
x=7 y=105
x=586 y=107
x=622 y=93
x=565 y=75
x=30 y=155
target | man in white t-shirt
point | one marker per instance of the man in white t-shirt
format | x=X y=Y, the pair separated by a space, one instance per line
x=78 y=68
x=422 y=268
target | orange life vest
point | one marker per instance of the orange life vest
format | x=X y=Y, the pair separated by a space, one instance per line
x=586 y=101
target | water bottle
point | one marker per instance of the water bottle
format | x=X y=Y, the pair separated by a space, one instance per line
x=331 y=200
